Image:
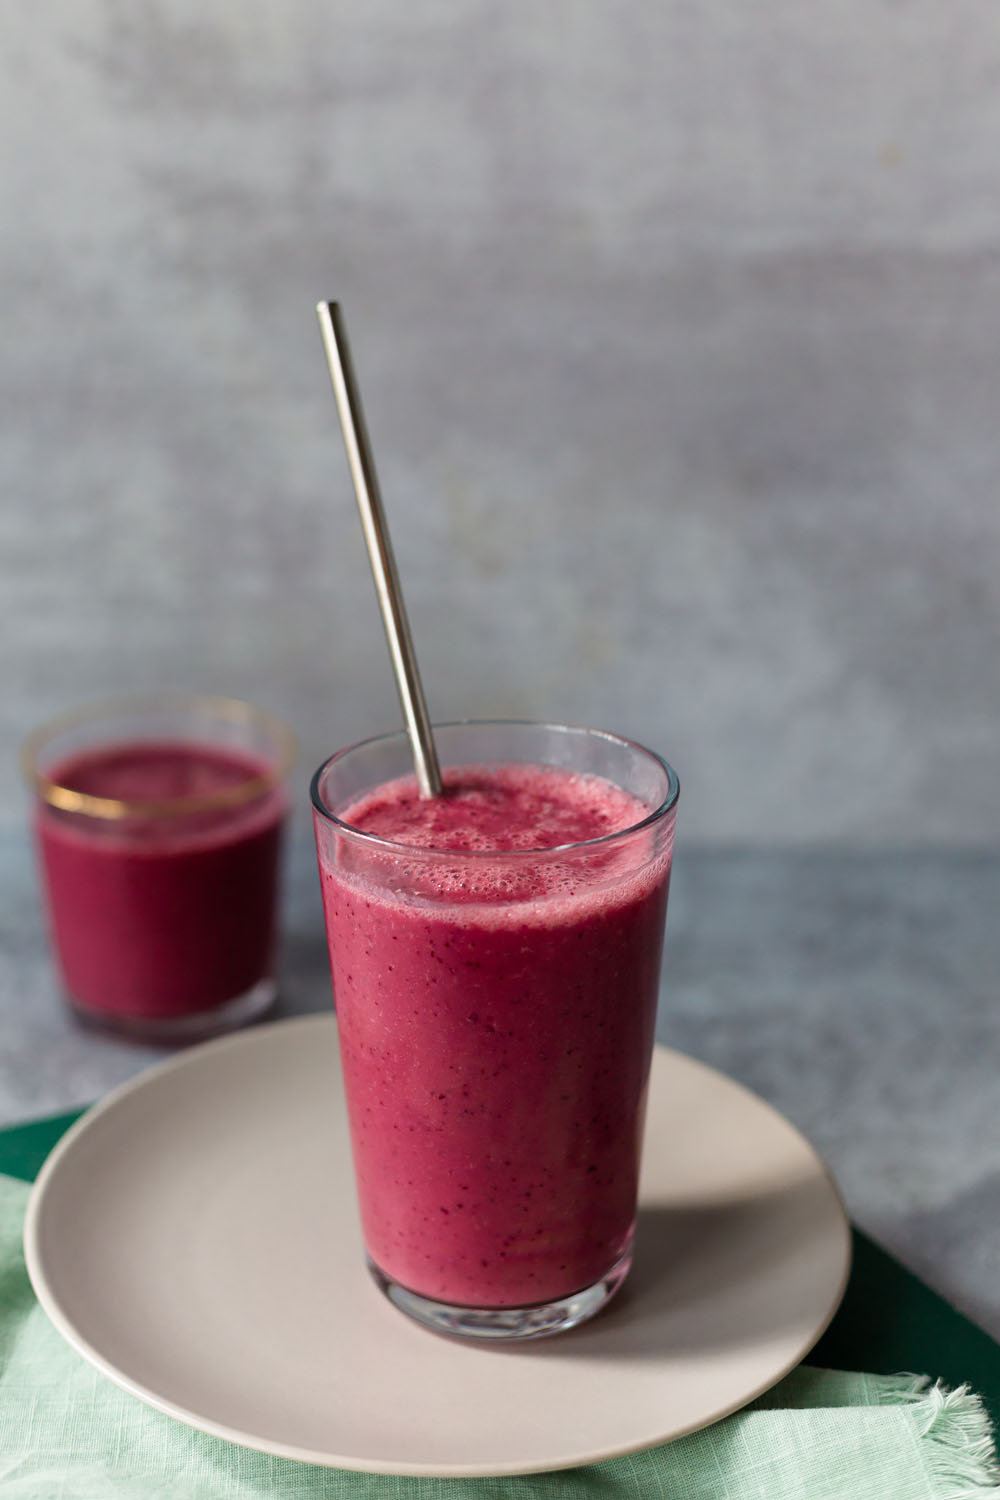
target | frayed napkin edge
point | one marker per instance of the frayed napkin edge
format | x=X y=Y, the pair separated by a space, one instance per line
x=956 y=1432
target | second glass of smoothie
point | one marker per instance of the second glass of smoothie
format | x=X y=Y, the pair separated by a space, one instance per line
x=158 y=821
x=495 y=956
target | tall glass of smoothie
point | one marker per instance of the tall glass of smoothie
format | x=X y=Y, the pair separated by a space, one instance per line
x=495 y=956
x=158 y=824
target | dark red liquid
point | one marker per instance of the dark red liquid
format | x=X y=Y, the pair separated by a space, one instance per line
x=496 y=1022
x=156 y=918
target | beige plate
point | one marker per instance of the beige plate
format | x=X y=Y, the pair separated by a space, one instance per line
x=194 y=1236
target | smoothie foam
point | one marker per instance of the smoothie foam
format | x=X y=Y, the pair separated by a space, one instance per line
x=496 y=1002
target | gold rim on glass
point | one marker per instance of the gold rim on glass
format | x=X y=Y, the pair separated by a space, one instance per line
x=68 y=799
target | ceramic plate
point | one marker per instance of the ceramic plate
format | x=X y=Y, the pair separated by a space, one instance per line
x=194 y=1236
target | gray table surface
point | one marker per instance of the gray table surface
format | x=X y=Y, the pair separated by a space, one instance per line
x=857 y=992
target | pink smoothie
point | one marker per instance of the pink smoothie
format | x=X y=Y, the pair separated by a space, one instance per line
x=496 y=1021
x=161 y=917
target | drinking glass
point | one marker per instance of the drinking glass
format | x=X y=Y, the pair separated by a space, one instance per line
x=158 y=822
x=496 y=1014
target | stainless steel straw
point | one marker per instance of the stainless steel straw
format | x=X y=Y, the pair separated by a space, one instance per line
x=390 y=595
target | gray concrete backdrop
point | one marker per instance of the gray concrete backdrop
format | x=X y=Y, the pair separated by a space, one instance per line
x=680 y=332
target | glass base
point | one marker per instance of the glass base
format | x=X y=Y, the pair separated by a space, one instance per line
x=537 y=1321
x=196 y=1026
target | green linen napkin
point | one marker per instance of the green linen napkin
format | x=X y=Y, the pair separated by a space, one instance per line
x=67 y=1433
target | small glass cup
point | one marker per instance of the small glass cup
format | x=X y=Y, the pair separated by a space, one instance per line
x=158 y=822
x=496 y=1014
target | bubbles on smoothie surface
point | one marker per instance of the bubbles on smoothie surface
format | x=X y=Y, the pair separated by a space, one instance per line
x=497 y=808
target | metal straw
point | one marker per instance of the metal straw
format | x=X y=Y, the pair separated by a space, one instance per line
x=387 y=586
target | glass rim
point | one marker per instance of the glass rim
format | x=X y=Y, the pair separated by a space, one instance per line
x=411 y=851
x=234 y=710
